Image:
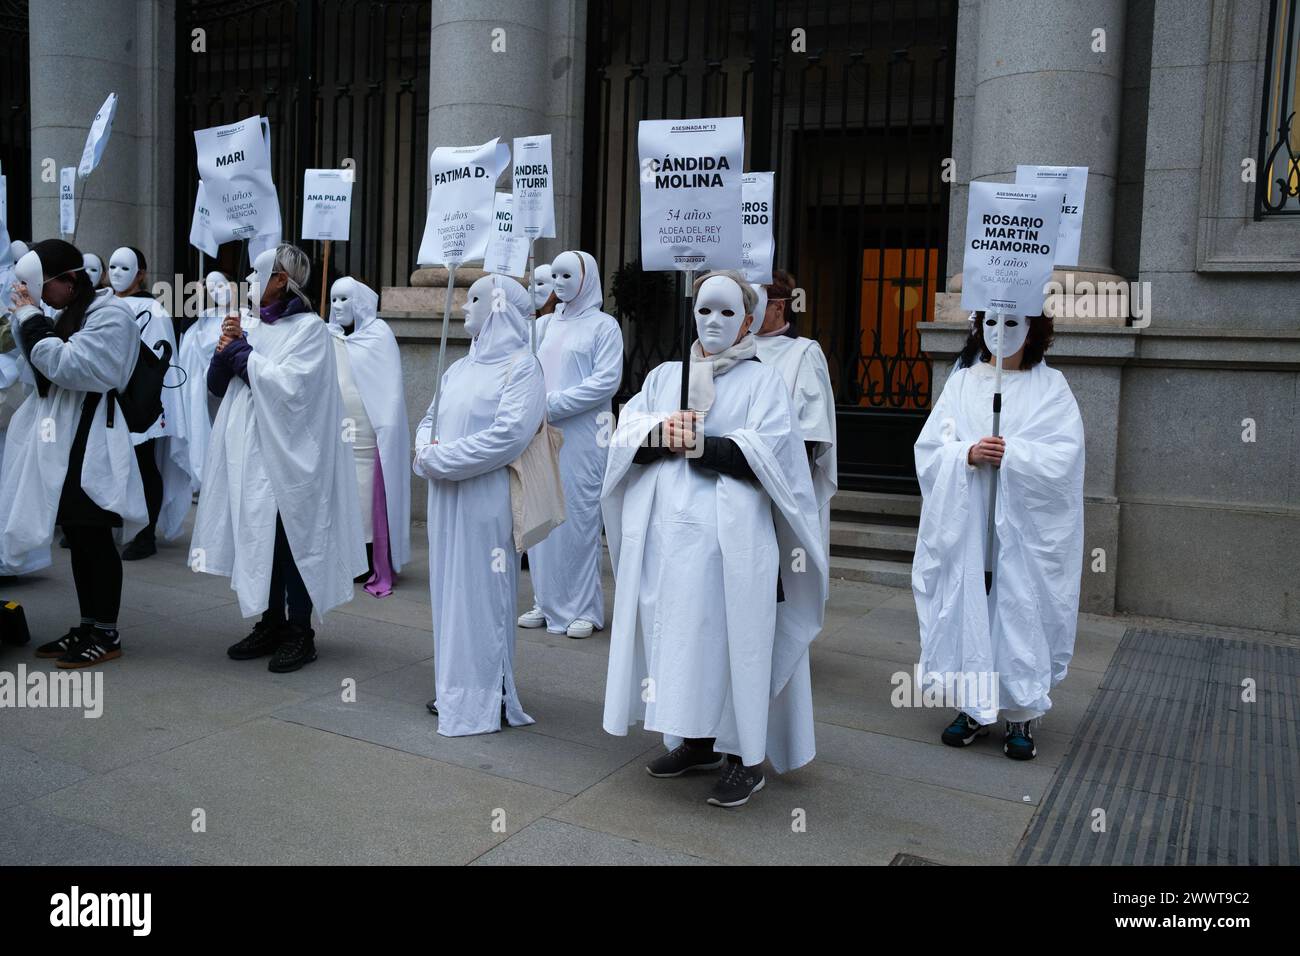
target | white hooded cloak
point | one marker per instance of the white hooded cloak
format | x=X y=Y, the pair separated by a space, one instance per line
x=277 y=446
x=376 y=367
x=197 y=347
x=170 y=449
x=581 y=352
x=492 y=405
x=1024 y=630
x=700 y=647
x=802 y=366
x=98 y=358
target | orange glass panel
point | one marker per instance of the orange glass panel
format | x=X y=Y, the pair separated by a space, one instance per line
x=894 y=293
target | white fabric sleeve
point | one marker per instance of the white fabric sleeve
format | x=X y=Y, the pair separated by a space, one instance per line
x=814 y=398
x=98 y=358
x=598 y=387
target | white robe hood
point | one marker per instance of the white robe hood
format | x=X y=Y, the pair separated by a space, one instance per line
x=377 y=370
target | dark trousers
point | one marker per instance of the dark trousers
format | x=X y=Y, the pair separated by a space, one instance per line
x=96 y=571
x=287 y=587
x=153 y=485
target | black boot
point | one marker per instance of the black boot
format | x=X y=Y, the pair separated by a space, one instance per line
x=141 y=546
x=297 y=648
x=264 y=640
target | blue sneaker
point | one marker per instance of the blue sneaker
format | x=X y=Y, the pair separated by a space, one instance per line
x=962 y=731
x=1018 y=742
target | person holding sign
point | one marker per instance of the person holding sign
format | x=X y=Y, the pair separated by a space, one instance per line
x=1022 y=632
x=581 y=352
x=198 y=345
x=164 y=459
x=374 y=405
x=721 y=578
x=279 y=513
x=803 y=368
x=68 y=458
x=493 y=403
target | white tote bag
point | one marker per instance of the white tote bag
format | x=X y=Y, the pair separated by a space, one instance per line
x=536 y=492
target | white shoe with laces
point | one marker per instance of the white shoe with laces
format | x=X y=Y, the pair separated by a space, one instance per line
x=580 y=629
x=533 y=618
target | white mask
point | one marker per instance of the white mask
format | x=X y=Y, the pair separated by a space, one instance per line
x=566 y=276
x=260 y=277
x=218 y=287
x=1011 y=329
x=719 y=313
x=28 y=270
x=123 y=267
x=17 y=249
x=478 y=305
x=343 y=296
x=94 y=268
x=543 y=285
x=760 y=307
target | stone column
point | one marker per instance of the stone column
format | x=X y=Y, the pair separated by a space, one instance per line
x=77 y=59
x=1043 y=94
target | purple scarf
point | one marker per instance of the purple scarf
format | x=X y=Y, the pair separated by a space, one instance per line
x=278 y=309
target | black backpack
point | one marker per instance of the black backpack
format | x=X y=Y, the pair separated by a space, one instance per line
x=141 y=400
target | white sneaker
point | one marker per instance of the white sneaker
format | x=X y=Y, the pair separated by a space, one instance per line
x=533 y=618
x=580 y=629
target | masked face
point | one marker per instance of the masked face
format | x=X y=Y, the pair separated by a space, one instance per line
x=566 y=274
x=123 y=267
x=719 y=314
x=28 y=270
x=478 y=305
x=543 y=285
x=1010 y=329
x=94 y=268
x=343 y=298
x=260 y=277
x=17 y=249
x=219 y=288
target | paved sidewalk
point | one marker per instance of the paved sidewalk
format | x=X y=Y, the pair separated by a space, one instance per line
x=282 y=770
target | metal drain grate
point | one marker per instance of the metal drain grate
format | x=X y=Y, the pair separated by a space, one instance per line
x=1183 y=769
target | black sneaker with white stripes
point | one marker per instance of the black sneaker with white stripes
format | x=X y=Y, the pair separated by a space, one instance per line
x=58 y=647
x=737 y=784
x=962 y=731
x=1018 y=741
x=97 y=647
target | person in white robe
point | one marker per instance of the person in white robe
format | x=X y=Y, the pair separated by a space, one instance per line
x=94 y=269
x=999 y=654
x=164 y=458
x=493 y=403
x=721 y=581
x=803 y=368
x=581 y=351
x=16 y=383
x=68 y=456
x=278 y=514
x=198 y=345
x=369 y=368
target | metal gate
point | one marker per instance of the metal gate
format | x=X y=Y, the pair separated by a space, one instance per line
x=343 y=83
x=15 y=118
x=850 y=102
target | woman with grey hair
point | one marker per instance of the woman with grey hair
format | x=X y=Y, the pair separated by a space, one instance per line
x=279 y=513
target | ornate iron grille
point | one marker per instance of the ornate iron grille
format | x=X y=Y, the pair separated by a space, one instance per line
x=1277 y=181
x=338 y=80
x=850 y=102
x=15 y=118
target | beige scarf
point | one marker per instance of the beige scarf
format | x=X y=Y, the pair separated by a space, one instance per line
x=705 y=368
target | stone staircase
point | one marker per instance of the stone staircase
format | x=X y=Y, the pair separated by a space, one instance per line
x=873 y=536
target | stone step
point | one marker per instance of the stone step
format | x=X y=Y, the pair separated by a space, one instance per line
x=895 y=574
x=850 y=536
x=850 y=504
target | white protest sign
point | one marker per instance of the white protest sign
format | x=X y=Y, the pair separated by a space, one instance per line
x=97 y=138
x=757 y=245
x=507 y=249
x=326 y=203
x=1011 y=236
x=691 y=193
x=67 y=200
x=201 y=225
x=534 y=186
x=1074 y=181
x=235 y=166
x=462 y=192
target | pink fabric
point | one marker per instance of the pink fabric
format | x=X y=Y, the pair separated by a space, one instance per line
x=381 y=582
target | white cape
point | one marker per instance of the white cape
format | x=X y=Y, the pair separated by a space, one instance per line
x=582 y=359
x=277 y=446
x=676 y=532
x=1024 y=631
x=13 y=392
x=169 y=433
x=197 y=347
x=377 y=371
x=803 y=367
x=98 y=358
